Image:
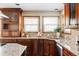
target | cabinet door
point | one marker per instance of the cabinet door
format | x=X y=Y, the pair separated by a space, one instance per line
x=52 y=48
x=35 y=47
x=46 y=47
x=71 y=14
x=11 y=24
x=40 y=47
x=66 y=13
x=49 y=48
x=13 y=15
x=77 y=13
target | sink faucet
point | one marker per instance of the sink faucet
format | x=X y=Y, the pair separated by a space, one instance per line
x=39 y=34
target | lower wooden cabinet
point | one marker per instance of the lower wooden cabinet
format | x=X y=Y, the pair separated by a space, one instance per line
x=36 y=47
x=26 y=42
x=40 y=47
x=47 y=47
x=66 y=52
x=52 y=48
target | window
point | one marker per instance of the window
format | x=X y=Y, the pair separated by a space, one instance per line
x=31 y=24
x=50 y=23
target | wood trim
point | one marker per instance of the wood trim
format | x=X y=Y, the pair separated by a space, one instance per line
x=12 y=9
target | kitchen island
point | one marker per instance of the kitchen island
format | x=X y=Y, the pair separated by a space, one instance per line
x=12 y=49
x=36 y=46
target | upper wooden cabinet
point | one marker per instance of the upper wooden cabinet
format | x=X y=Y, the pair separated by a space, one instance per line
x=11 y=26
x=71 y=12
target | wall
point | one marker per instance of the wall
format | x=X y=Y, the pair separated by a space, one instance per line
x=40 y=14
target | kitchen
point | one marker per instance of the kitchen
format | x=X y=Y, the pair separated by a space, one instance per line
x=44 y=29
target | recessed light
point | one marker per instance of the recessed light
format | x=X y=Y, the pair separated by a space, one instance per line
x=56 y=9
x=17 y=4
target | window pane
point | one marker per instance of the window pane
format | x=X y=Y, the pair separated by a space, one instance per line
x=49 y=28
x=31 y=24
x=29 y=28
x=31 y=20
x=50 y=23
x=50 y=20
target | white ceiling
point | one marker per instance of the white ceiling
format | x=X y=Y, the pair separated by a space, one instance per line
x=34 y=6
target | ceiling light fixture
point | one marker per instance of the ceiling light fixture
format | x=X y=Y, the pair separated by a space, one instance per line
x=56 y=9
x=17 y=4
x=3 y=15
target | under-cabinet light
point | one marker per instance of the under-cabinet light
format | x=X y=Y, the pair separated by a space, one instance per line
x=3 y=15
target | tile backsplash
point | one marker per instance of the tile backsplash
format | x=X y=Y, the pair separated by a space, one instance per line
x=72 y=39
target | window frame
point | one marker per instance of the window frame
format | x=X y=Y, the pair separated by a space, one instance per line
x=43 y=24
x=38 y=25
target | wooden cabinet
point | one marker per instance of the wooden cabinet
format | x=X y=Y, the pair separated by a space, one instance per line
x=41 y=47
x=52 y=48
x=10 y=26
x=36 y=47
x=66 y=52
x=26 y=42
x=47 y=47
x=66 y=13
x=71 y=13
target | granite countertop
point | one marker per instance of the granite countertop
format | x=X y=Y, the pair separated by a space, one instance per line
x=12 y=49
x=73 y=48
x=26 y=38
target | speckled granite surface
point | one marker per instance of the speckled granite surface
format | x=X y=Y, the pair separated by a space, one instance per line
x=12 y=49
x=26 y=38
x=74 y=48
x=68 y=43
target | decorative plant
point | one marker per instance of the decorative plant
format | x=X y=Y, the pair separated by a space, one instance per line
x=58 y=29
